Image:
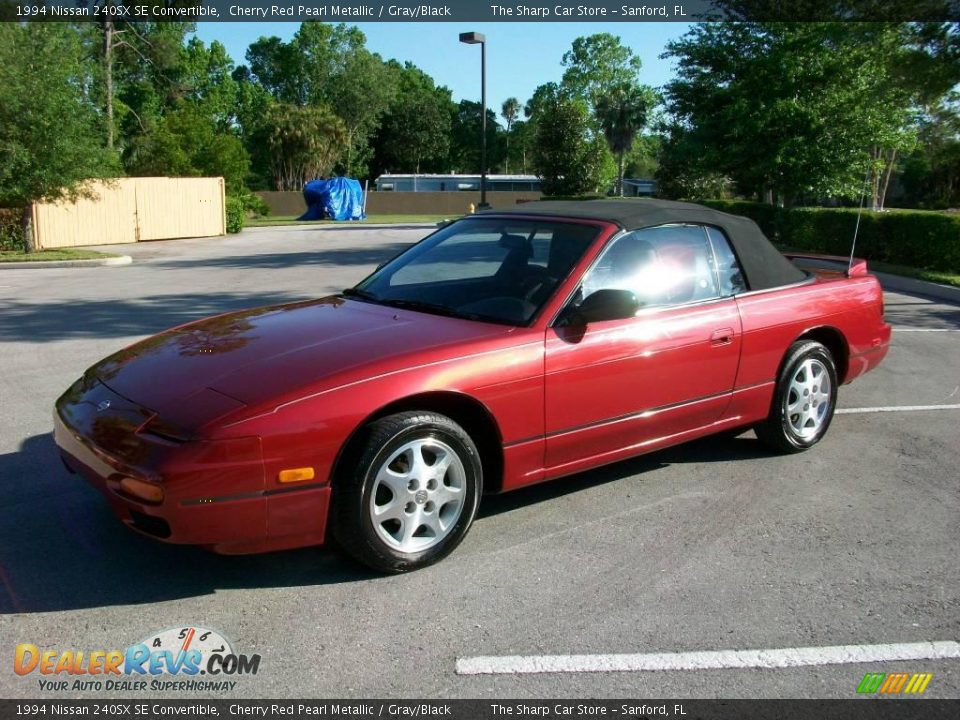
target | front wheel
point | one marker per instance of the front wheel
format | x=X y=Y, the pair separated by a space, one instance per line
x=804 y=401
x=409 y=493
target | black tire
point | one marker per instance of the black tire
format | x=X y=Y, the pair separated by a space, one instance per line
x=795 y=432
x=373 y=544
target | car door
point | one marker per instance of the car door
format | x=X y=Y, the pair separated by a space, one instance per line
x=613 y=387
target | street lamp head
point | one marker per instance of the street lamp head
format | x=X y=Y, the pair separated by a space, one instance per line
x=472 y=38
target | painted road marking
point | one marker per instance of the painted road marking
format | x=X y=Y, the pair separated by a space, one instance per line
x=903 y=330
x=895 y=408
x=708 y=660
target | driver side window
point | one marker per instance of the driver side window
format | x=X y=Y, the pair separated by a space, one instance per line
x=666 y=265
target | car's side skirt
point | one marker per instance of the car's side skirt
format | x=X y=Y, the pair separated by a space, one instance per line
x=746 y=406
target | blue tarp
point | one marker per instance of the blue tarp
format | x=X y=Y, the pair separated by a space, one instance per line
x=338 y=198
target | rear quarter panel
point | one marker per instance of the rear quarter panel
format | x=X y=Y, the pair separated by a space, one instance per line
x=772 y=320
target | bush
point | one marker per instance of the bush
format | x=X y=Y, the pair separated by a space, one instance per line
x=918 y=238
x=11 y=231
x=236 y=214
x=255 y=205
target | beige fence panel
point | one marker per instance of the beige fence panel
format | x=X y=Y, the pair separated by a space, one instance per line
x=108 y=217
x=179 y=207
x=125 y=210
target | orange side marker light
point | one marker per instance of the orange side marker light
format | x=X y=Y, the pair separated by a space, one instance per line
x=296 y=475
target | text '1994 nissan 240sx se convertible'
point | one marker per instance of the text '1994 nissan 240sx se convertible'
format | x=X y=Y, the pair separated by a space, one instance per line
x=507 y=348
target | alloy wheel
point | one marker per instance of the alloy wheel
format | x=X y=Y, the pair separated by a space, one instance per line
x=418 y=495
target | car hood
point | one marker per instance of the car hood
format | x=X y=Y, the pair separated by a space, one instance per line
x=270 y=354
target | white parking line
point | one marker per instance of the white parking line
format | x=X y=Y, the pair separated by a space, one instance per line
x=895 y=408
x=902 y=329
x=708 y=660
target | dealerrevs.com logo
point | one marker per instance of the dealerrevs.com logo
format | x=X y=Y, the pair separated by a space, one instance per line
x=170 y=660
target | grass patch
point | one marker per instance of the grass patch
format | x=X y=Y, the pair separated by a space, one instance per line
x=934 y=276
x=270 y=220
x=50 y=255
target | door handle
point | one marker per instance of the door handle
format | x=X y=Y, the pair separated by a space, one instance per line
x=723 y=336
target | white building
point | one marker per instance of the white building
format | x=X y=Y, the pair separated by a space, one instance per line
x=455 y=183
x=639 y=187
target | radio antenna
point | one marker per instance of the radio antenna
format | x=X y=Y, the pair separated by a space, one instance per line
x=856 y=228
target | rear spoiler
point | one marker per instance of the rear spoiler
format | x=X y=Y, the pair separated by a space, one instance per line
x=856 y=267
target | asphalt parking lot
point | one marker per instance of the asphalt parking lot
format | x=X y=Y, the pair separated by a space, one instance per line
x=713 y=545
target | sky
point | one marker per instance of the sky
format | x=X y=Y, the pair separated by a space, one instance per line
x=520 y=56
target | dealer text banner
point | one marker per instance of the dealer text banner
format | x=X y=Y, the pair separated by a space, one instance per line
x=143 y=709
x=469 y=11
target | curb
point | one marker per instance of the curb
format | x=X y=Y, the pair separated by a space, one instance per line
x=912 y=286
x=48 y=264
x=341 y=226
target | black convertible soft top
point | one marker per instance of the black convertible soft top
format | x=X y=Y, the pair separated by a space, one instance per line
x=762 y=263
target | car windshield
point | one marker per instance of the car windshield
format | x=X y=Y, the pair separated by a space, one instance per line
x=489 y=269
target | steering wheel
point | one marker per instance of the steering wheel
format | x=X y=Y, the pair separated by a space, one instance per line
x=535 y=282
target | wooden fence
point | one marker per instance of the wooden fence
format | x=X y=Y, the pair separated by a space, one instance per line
x=128 y=210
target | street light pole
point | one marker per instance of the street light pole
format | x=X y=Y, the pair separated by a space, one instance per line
x=475 y=38
x=483 y=125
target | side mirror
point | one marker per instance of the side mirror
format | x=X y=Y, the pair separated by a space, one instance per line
x=607 y=305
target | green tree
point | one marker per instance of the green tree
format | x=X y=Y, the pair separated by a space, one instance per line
x=543 y=97
x=303 y=143
x=795 y=110
x=465 y=135
x=568 y=157
x=328 y=65
x=206 y=78
x=189 y=142
x=622 y=114
x=416 y=129
x=361 y=93
x=928 y=63
x=644 y=156
x=49 y=137
x=509 y=111
x=278 y=67
x=605 y=73
x=597 y=64
x=126 y=53
x=252 y=110
x=189 y=127
x=540 y=102
x=931 y=172
x=524 y=138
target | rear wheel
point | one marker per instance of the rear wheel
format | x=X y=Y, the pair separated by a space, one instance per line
x=410 y=492
x=804 y=401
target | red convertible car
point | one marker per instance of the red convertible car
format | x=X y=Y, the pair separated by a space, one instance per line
x=505 y=349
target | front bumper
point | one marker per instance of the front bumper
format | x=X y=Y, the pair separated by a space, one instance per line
x=214 y=492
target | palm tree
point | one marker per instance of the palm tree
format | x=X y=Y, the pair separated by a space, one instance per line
x=622 y=113
x=510 y=110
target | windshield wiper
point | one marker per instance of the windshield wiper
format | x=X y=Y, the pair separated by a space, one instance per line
x=360 y=294
x=446 y=310
x=427 y=307
x=422 y=306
